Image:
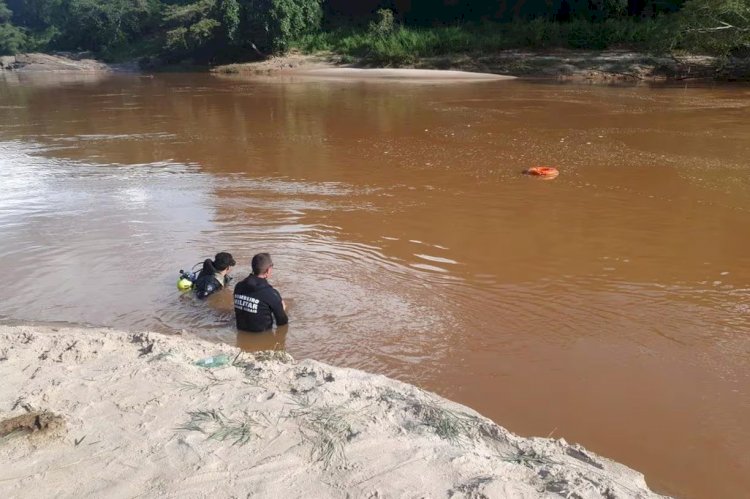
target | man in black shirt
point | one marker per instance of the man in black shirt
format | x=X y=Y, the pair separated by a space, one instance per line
x=256 y=303
x=214 y=275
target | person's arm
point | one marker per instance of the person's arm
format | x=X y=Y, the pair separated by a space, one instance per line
x=206 y=286
x=278 y=309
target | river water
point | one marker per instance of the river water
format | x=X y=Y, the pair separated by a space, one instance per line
x=609 y=307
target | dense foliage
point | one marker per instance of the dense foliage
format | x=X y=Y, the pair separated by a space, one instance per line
x=173 y=29
x=12 y=38
x=406 y=45
x=383 y=30
x=716 y=26
x=202 y=27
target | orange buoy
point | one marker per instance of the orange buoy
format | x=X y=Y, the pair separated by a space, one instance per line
x=547 y=172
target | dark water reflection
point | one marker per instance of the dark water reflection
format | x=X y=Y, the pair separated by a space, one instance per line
x=609 y=307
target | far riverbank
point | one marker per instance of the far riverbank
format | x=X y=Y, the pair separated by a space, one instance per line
x=561 y=65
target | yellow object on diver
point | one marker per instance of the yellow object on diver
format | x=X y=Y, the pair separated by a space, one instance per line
x=184 y=284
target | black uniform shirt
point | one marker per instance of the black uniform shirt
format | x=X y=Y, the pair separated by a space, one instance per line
x=257 y=304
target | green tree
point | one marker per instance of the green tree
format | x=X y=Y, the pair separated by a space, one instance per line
x=43 y=21
x=5 y=13
x=271 y=25
x=85 y=24
x=229 y=13
x=100 y=24
x=12 y=38
x=203 y=27
x=35 y=14
x=715 y=26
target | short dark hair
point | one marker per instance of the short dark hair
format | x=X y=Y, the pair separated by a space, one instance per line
x=223 y=260
x=261 y=263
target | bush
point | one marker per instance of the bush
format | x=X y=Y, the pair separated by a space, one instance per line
x=404 y=45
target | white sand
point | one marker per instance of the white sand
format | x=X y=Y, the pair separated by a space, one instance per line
x=329 y=66
x=433 y=75
x=312 y=430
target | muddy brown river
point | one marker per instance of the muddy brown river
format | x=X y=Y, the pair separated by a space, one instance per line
x=609 y=307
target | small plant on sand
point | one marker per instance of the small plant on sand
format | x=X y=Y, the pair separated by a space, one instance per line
x=187 y=386
x=274 y=355
x=526 y=457
x=252 y=370
x=217 y=426
x=445 y=423
x=327 y=428
x=449 y=425
x=389 y=397
x=252 y=366
x=161 y=356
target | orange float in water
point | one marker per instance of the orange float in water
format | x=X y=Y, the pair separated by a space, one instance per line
x=542 y=171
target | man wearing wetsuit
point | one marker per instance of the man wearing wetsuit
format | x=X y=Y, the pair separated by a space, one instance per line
x=214 y=275
x=256 y=303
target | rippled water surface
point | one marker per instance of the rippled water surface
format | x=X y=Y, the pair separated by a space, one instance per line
x=609 y=307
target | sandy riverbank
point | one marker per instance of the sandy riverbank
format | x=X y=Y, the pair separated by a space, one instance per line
x=52 y=63
x=561 y=64
x=131 y=415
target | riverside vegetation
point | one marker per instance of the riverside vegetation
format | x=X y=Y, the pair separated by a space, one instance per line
x=378 y=32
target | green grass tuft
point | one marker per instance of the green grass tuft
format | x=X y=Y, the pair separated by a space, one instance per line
x=327 y=429
x=217 y=426
x=449 y=425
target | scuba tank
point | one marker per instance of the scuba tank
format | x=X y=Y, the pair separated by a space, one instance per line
x=187 y=279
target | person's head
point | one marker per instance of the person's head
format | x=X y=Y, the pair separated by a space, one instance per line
x=262 y=265
x=223 y=262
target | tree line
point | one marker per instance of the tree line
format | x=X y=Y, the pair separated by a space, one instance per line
x=212 y=30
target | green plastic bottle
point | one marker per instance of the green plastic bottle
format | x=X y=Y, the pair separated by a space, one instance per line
x=213 y=361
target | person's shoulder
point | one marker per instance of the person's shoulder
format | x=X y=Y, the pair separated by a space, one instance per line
x=242 y=283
